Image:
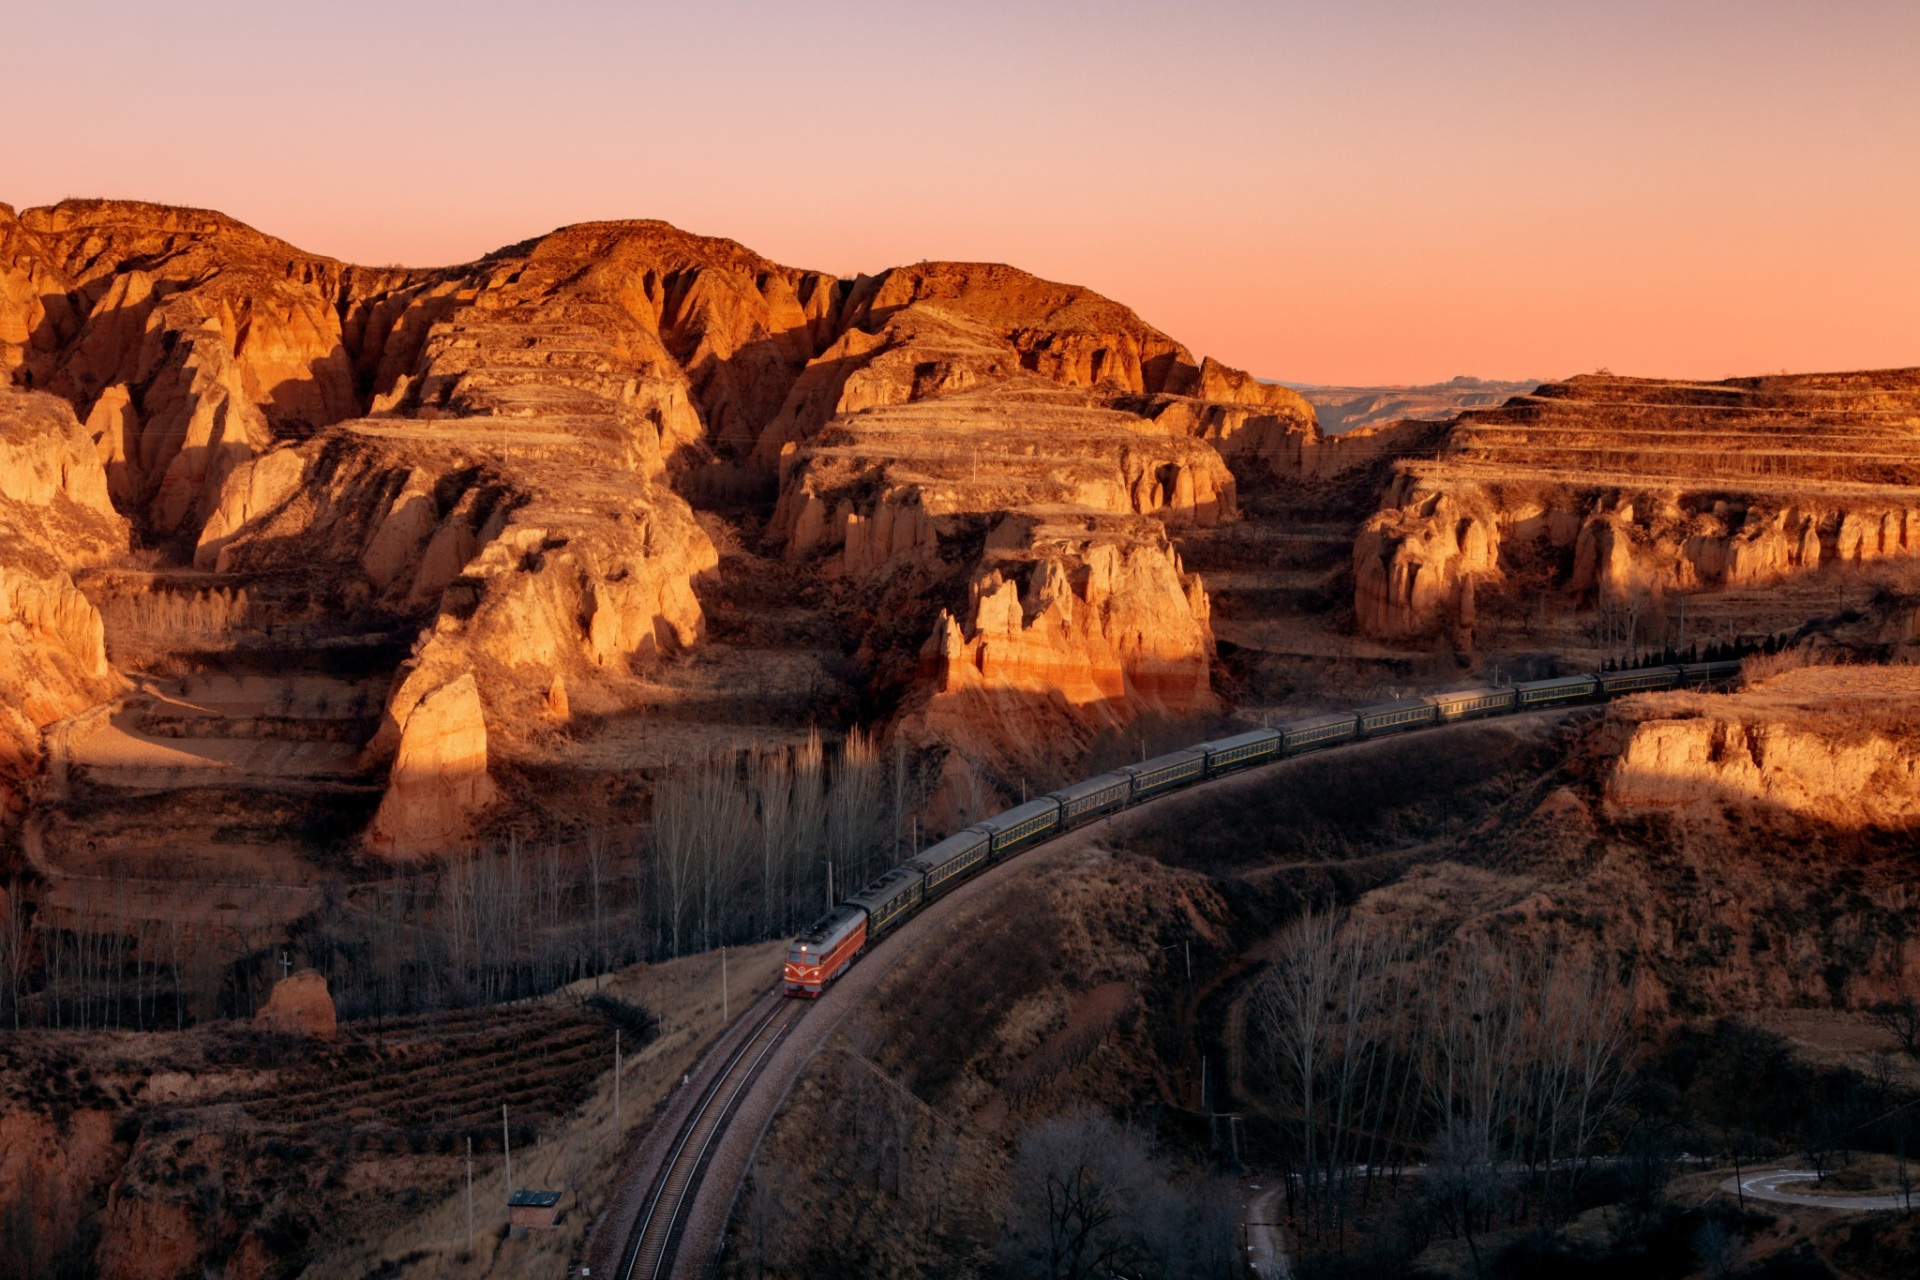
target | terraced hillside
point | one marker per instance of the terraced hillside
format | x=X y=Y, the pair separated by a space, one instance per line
x=157 y=1154
x=1581 y=517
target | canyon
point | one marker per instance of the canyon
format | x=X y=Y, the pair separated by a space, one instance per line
x=1341 y=409
x=327 y=590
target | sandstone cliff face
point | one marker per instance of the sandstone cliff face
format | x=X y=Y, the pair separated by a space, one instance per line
x=1740 y=851
x=55 y=517
x=1110 y=625
x=439 y=779
x=49 y=1171
x=1828 y=745
x=36 y=315
x=485 y=457
x=959 y=399
x=193 y=341
x=1604 y=490
x=537 y=554
x=1415 y=566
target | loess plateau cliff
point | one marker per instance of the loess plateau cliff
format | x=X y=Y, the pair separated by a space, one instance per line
x=1738 y=852
x=477 y=540
x=1600 y=503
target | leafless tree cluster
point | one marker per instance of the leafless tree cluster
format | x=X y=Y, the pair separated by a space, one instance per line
x=1087 y=1198
x=502 y=925
x=753 y=844
x=499 y=925
x=1500 y=1066
x=98 y=964
x=744 y=845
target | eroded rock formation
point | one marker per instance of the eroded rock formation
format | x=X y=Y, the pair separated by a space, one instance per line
x=1828 y=745
x=1079 y=614
x=299 y=1006
x=55 y=517
x=1741 y=851
x=1029 y=443
x=439 y=778
x=1605 y=489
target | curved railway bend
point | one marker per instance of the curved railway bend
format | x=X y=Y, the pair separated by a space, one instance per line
x=668 y=1217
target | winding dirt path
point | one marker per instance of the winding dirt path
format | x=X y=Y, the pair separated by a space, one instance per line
x=1266 y=1238
x=1766 y=1186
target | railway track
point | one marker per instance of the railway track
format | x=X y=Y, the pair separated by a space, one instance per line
x=655 y=1237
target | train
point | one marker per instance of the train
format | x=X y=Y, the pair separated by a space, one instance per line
x=830 y=945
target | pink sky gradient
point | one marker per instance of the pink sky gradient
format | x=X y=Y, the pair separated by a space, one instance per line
x=1339 y=192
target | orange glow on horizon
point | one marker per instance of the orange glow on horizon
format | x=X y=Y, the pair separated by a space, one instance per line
x=1358 y=193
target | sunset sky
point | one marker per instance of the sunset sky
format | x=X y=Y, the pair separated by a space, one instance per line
x=1334 y=192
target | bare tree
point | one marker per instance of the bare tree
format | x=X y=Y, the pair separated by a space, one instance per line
x=770 y=778
x=1333 y=1012
x=14 y=942
x=809 y=831
x=596 y=873
x=899 y=803
x=1075 y=1181
x=1717 y=1247
x=1900 y=1019
x=854 y=811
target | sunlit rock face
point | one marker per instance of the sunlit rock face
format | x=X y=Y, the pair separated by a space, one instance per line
x=439 y=779
x=1032 y=442
x=1829 y=744
x=1605 y=489
x=55 y=517
x=1109 y=623
x=300 y=1005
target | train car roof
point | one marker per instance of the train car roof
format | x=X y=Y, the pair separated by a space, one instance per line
x=957 y=845
x=1091 y=786
x=1248 y=738
x=831 y=927
x=1557 y=681
x=1464 y=695
x=1631 y=673
x=1402 y=704
x=889 y=886
x=1162 y=762
x=1317 y=722
x=1021 y=813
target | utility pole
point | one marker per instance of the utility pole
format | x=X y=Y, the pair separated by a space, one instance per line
x=616 y=1083
x=469 y=1193
x=506 y=1149
x=725 y=1016
x=829 y=885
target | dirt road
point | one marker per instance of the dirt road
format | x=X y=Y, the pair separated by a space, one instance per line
x=1766 y=1186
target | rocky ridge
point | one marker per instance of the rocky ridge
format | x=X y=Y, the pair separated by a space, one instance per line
x=485 y=465
x=1628 y=493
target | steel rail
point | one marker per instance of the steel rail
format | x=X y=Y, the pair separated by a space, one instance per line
x=655 y=1232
